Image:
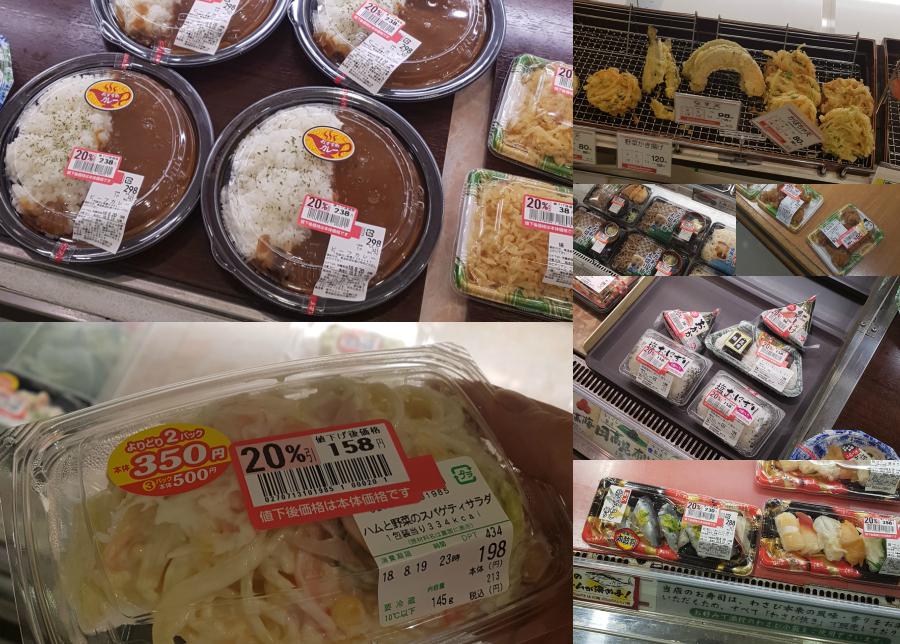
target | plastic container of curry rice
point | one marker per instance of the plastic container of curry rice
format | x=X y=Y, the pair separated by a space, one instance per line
x=256 y=507
x=187 y=33
x=322 y=201
x=401 y=50
x=100 y=157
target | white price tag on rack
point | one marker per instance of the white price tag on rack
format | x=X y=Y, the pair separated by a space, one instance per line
x=787 y=128
x=644 y=154
x=585 y=146
x=707 y=111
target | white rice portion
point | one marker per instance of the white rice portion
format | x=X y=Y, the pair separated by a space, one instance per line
x=150 y=17
x=271 y=172
x=335 y=18
x=59 y=120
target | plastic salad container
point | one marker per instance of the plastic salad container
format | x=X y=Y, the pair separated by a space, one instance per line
x=828 y=541
x=239 y=508
x=25 y=400
x=637 y=254
x=856 y=477
x=844 y=444
x=760 y=355
x=100 y=158
x=185 y=33
x=665 y=367
x=514 y=247
x=842 y=240
x=735 y=413
x=322 y=200
x=532 y=125
x=402 y=50
x=791 y=204
x=648 y=522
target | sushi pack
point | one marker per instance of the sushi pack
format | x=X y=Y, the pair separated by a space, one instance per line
x=829 y=541
x=635 y=231
x=857 y=477
x=654 y=523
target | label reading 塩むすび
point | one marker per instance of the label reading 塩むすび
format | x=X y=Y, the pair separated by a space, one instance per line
x=451 y=548
x=350 y=262
x=103 y=216
x=205 y=25
x=327 y=216
x=327 y=473
x=371 y=63
x=169 y=459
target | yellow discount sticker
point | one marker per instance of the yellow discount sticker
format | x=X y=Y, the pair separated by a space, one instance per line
x=169 y=459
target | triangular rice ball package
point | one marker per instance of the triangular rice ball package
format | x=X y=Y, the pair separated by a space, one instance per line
x=689 y=327
x=792 y=322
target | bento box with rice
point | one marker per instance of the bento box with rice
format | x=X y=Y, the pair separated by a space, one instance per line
x=186 y=33
x=101 y=157
x=322 y=201
x=514 y=247
x=401 y=50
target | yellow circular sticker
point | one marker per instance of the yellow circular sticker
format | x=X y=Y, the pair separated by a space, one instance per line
x=169 y=459
x=108 y=95
x=626 y=539
x=8 y=382
x=328 y=143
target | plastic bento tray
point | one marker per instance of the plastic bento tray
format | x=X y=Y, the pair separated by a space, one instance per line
x=117 y=536
x=838 y=479
x=739 y=299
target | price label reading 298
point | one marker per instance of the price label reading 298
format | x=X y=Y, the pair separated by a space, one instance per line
x=169 y=459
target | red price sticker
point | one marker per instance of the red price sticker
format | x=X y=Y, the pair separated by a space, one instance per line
x=91 y=165
x=653 y=359
x=563 y=79
x=327 y=473
x=550 y=215
x=327 y=216
x=700 y=514
x=880 y=527
x=377 y=19
x=169 y=459
x=720 y=405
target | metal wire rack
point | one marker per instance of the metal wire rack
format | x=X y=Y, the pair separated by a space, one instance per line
x=615 y=36
x=892 y=125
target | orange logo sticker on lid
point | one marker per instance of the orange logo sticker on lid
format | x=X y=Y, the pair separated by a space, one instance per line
x=108 y=95
x=169 y=459
x=8 y=382
x=328 y=143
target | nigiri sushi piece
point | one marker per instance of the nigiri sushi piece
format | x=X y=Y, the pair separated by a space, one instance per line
x=852 y=543
x=811 y=542
x=789 y=532
x=742 y=534
x=670 y=524
x=643 y=520
x=828 y=470
x=828 y=530
x=876 y=553
x=690 y=533
x=788 y=466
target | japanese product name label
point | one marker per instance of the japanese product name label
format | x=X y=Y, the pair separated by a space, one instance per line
x=326 y=473
x=686 y=324
x=605 y=588
x=707 y=111
x=205 y=25
x=371 y=63
x=451 y=548
x=103 y=217
x=350 y=262
x=91 y=165
x=614 y=504
x=729 y=412
x=559 y=260
x=787 y=209
x=550 y=215
x=169 y=459
x=378 y=20
x=717 y=528
x=327 y=216
x=644 y=154
x=563 y=79
x=776 y=376
x=788 y=128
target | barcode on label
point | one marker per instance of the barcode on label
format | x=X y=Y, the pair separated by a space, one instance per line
x=547 y=214
x=327 y=216
x=374 y=17
x=563 y=79
x=94 y=168
x=702 y=514
x=880 y=526
x=300 y=483
x=719 y=404
x=91 y=165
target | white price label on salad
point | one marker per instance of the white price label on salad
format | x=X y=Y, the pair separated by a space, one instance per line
x=717 y=542
x=787 y=209
x=616 y=204
x=644 y=154
x=377 y=19
x=104 y=214
x=614 y=504
x=452 y=548
x=91 y=165
x=775 y=376
x=327 y=216
x=563 y=79
x=884 y=476
x=205 y=25
x=707 y=111
x=559 y=260
x=880 y=527
x=350 y=263
x=585 y=146
x=787 y=128
x=371 y=63
x=551 y=215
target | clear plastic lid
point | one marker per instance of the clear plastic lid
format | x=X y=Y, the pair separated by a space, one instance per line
x=791 y=204
x=844 y=238
x=665 y=367
x=322 y=200
x=401 y=49
x=601 y=292
x=237 y=509
x=532 y=125
x=101 y=157
x=184 y=33
x=735 y=413
x=515 y=244
x=860 y=471
x=26 y=400
x=638 y=255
